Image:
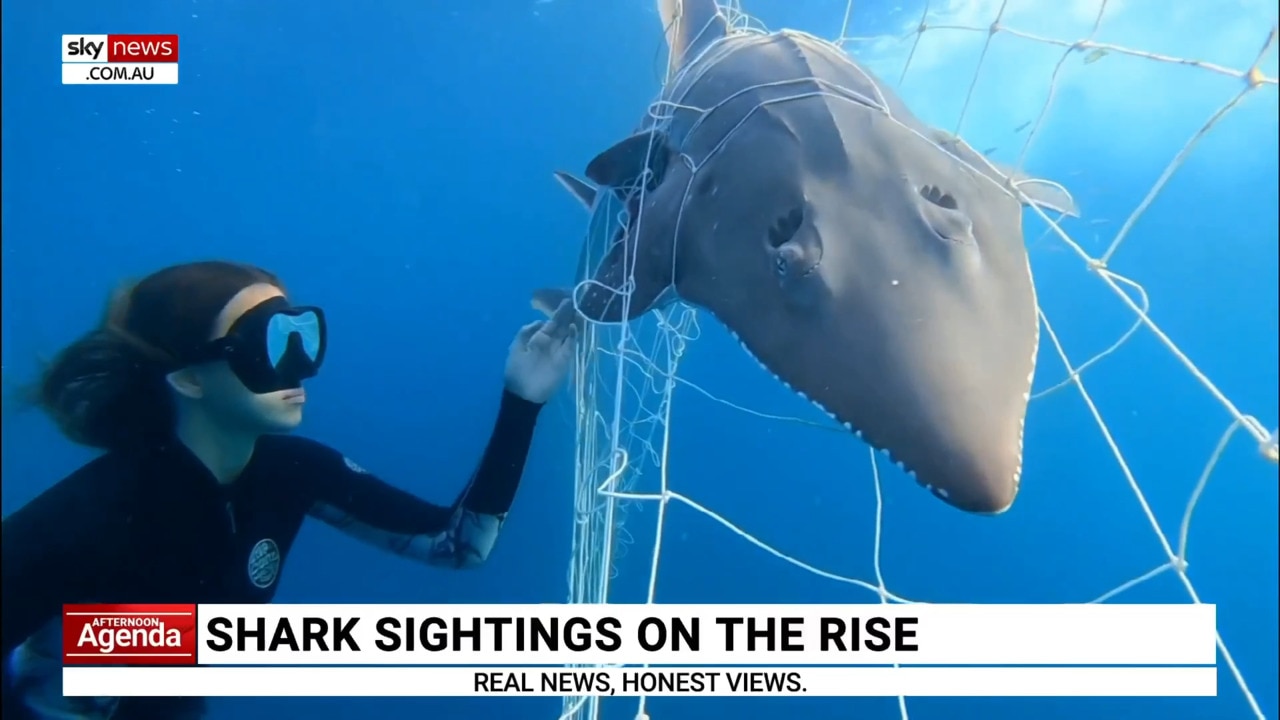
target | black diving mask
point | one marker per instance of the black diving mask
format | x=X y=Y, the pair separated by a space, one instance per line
x=272 y=347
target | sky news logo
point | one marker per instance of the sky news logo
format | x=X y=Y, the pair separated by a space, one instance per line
x=119 y=59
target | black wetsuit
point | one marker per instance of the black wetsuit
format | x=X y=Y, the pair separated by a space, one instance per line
x=156 y=527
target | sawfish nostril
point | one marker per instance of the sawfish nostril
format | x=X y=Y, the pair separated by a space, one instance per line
x=938 y=197
x=785 y=227
x=942 y=213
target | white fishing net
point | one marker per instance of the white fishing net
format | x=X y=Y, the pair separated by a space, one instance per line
x=629 y=376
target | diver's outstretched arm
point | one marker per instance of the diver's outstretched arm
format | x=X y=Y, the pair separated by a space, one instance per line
x=459 y=536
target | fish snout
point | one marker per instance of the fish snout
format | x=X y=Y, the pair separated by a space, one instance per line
x=979 y=480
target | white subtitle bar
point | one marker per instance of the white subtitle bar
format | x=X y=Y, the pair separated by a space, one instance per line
x=120 y=74
x=622 y=635
x=631 y=682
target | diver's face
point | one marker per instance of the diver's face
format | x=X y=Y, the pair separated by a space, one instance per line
x=227 y=399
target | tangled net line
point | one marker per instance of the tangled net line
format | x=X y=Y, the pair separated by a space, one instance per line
x=617 y=443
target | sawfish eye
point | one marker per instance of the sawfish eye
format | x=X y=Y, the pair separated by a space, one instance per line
x=790 y=262
x=795 y=256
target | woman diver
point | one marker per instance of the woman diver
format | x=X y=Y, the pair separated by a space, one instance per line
x=190 y=386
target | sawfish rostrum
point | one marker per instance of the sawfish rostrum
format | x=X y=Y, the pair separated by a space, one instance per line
x=870 y=262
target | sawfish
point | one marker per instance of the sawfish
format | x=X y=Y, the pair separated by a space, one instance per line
x=872 y=263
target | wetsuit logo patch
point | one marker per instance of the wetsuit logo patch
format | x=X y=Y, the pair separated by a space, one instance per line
x=264 y=563
x=353 y=467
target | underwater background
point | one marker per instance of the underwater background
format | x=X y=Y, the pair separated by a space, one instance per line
x=392 y=162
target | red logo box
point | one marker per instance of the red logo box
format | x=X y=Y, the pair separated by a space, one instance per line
x=128 y=634
x=142 y=48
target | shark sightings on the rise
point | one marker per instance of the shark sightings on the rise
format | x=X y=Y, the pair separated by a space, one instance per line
x=873 y=264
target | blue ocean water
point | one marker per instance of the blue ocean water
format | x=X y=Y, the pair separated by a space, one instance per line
x=392 y=162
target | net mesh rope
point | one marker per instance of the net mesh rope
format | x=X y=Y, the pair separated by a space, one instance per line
x=626 y=374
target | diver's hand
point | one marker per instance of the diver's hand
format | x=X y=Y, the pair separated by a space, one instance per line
x=541 y=355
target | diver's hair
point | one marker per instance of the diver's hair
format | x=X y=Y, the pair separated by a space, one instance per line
x=108 y=390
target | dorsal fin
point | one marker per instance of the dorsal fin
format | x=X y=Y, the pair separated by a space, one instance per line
x=690 y=25
x=578 y=188
x=629 y=160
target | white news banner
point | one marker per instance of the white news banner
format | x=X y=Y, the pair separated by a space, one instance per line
x=706 y=635
x=624 y=682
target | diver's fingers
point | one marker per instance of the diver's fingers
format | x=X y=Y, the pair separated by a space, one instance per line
x=557 y=328
x=526 y=334
x=542 y=339
x=566 y=344
x=561 y=322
